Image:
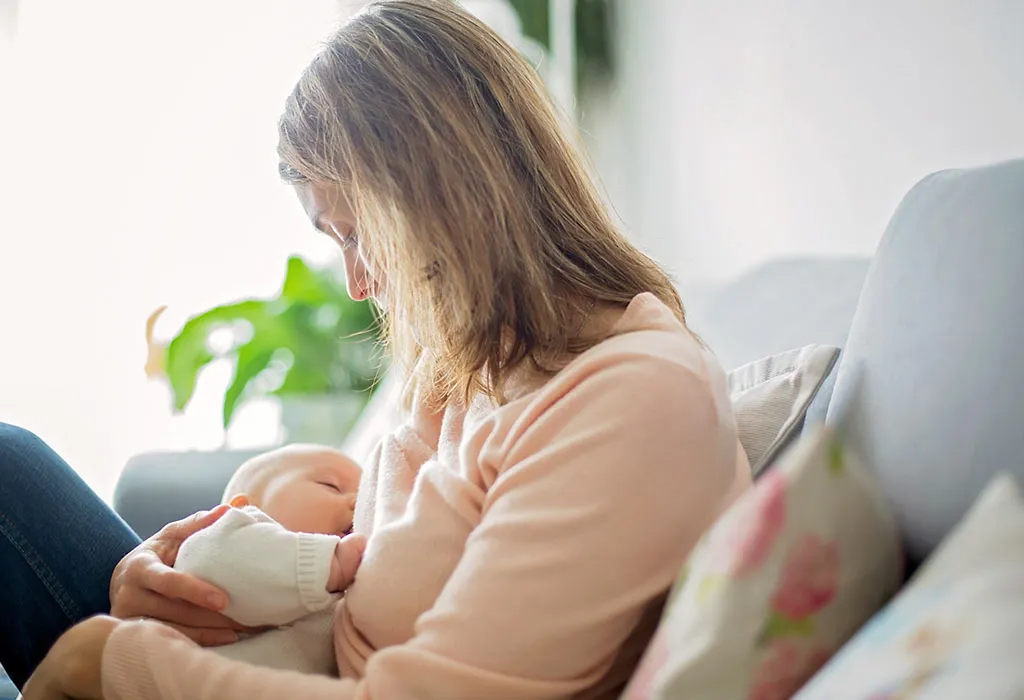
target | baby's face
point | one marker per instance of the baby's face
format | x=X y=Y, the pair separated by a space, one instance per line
x=309 y=489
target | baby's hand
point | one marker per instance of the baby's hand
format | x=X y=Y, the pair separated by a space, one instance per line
x=348 y=554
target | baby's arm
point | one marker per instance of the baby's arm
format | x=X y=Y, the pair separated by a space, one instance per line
x=272 y=576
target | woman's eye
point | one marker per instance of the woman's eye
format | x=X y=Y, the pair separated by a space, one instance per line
x=346 y=242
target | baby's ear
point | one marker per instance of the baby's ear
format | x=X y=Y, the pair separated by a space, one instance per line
x=239 y=501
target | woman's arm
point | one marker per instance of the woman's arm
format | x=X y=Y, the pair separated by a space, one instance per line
x=72 y=667
x=595 y=509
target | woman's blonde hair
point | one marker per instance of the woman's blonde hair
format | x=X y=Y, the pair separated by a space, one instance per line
x=495 y=241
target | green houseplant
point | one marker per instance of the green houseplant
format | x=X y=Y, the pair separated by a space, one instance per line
x=594 y=20
x=310 y=345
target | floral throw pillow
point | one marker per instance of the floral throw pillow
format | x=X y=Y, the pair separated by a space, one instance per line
x=778 y=584
x=957 y=629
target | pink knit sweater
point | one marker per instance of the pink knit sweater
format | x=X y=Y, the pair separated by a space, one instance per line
x=518 y=552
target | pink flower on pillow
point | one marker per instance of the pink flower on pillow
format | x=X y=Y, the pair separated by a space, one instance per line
x=777 y=676
x=754 y=530
x=810 y=578
x=784 y=670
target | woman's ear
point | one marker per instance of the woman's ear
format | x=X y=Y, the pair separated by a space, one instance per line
x=239 y=501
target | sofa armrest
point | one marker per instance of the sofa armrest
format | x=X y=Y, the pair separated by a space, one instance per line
x=156 y=488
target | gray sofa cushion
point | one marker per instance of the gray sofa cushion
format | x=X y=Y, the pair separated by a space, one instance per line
x=770 y=397
x=158 y=487
x=777 y=306
x=932 y=376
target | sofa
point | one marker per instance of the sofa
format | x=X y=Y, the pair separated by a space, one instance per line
x=928 y=383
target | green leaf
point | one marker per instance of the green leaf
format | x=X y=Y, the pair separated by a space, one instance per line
x=778 y=625
x=253 y=358
x=836 y=459
x=535 y=17
x=302 y=284
x=332 y=341
x=184 y=358
x=302 y=379
x=187 y=353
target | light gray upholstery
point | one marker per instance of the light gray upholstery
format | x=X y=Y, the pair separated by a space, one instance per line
x=931 y=384
x=156 y=488
x=778 y=306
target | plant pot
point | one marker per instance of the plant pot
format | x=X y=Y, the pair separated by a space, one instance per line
x=322 y=419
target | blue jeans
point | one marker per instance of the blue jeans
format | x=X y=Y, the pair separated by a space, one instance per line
x=59 y=544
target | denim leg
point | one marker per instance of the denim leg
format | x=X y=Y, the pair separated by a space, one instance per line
x=59 y=544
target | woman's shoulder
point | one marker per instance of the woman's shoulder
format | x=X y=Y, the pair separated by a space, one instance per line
x=648 y=337
x=648 y=389
x=647 y=355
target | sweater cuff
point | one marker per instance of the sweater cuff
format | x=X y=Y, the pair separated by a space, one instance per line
x=313 y=569
x=124 y=671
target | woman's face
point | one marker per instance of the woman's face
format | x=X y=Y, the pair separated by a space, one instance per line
x=332 y=215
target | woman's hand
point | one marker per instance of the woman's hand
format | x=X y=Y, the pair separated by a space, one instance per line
x=145 y=585
x=72 y=668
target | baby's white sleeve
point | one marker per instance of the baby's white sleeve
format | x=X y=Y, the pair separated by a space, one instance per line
x=272 y=576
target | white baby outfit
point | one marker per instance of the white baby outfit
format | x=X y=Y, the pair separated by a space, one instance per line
x=273 y=577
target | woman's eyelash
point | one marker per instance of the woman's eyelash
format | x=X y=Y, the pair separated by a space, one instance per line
x=346 y=242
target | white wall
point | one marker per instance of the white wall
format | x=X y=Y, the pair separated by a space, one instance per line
x=138 y=168
x=743 y=130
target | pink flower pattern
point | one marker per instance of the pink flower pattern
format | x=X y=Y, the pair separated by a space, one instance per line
x=777 y=676
x=810 y=578
x=784 y=670
x=790 y=652
x=754 y=530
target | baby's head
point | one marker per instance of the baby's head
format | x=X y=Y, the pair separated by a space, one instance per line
x=306 y=488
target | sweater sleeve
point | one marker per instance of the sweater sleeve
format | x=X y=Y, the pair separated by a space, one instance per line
x=594 y=508
x=146 y=660
x=272 y=576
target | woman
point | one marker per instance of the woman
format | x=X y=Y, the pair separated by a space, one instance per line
x=569 y=439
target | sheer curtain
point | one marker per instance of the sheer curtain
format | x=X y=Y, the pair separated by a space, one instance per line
x=138 y=169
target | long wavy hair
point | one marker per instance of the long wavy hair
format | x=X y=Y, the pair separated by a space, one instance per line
x=495 y=241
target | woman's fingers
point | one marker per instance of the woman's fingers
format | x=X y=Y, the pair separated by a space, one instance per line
x=141 y=602
x=206 y=636
x=166 y=609
x=173 y=534
x=170 y=583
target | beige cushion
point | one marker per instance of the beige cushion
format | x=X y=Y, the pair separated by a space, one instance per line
x=770 y=397
x=778 y=584
x=957 y=629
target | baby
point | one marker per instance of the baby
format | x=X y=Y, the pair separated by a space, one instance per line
x=283 y=554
